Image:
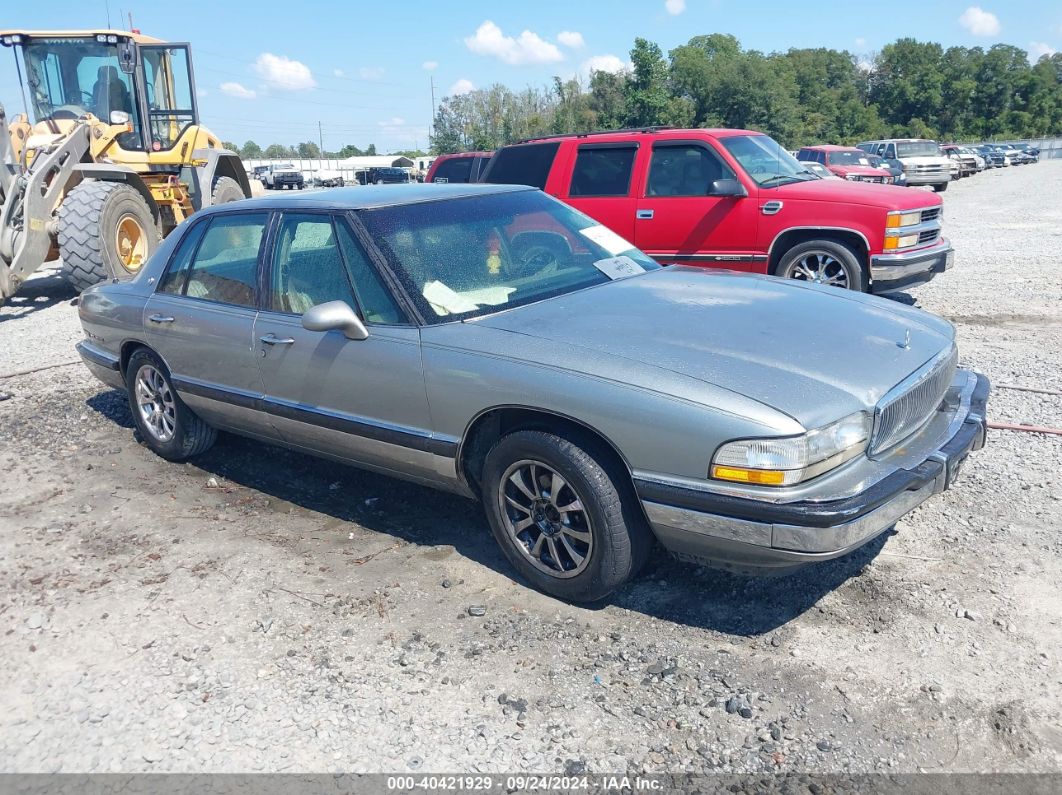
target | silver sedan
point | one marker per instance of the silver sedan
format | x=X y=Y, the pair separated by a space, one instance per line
x=492 y=341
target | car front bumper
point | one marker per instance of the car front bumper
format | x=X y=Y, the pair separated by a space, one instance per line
x=754 y=535
x=890 y=272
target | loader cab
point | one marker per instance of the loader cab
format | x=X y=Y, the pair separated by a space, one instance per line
x=116 y=76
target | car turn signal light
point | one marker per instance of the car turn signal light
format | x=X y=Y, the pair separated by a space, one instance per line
x=764 y=477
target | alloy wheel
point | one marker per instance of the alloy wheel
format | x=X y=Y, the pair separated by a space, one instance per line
x=155 y=401
x=819 y=267
x=545 y=518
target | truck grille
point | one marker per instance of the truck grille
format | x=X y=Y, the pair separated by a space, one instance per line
x=928 y=236
x=899 y=416
x=930 y=214
x=929 y=171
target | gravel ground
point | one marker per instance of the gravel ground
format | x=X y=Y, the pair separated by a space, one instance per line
x=264 y=611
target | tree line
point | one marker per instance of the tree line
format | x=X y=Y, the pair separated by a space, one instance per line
x=307 y=150
x=802 y=96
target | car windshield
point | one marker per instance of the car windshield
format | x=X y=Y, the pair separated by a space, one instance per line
x=845 y=158
x=468 y=257
x=765 y=160
x=917 y=149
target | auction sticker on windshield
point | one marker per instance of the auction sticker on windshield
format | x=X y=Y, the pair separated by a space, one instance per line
x=607 y=239
x=618 y=267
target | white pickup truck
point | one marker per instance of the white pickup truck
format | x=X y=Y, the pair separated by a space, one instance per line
x=284 y=175
x=922 y=161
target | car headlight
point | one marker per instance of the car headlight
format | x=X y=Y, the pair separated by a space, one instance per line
x=901 y=241
x=896 y=220
x=852 y=177
x=792 y=459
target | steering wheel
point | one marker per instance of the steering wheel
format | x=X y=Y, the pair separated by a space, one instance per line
x=535 y=257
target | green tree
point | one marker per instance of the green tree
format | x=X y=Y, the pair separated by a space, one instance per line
x=277 y=151
x=230 y=146
x=309 y=150
x=251 y=151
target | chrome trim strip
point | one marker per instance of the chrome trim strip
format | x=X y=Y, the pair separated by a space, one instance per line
x=818 y=229
x=96 y=355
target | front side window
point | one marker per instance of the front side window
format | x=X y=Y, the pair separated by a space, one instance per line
x=225 y=266
x=168 y=84
x=764 y=160
x=685 y=170
x=307 y=267
x=468 y=257
x=603 y=171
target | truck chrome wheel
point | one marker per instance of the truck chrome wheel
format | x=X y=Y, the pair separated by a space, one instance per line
x=545 y=518
x=819 y=267
x=154 y=399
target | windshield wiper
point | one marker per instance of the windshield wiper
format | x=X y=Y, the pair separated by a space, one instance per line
x=790 y=177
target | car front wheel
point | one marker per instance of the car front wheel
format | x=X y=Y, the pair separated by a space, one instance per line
x=167 y=425
x=827 y=262
x=563 y=516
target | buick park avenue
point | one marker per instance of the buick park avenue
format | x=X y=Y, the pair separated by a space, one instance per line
x=494 y=342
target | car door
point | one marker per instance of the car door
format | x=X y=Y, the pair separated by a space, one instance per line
x=358 y=400
x=201 y=318
x=600 y=185
x=679 y=222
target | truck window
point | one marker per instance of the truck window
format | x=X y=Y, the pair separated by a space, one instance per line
x=524 y=164
x=684 y=170
x=459 y=169
x=603 y=171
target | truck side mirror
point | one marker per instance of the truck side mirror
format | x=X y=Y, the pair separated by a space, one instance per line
x=727 y=187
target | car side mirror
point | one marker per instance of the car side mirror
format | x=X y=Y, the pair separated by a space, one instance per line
x=335 y=316
x=727 y=187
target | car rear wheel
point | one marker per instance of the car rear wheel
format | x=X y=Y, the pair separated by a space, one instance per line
x=827 y=262
x=563 y=515
x=167 y=425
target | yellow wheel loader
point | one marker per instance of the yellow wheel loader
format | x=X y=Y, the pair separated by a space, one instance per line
x=113 y=160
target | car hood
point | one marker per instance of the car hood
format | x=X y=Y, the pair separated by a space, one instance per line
x=888 y=197
x=868 y=171
x=924 y=160
x=814 y=353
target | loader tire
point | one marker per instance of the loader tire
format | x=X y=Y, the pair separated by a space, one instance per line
x=106 y=231
x=226 y=190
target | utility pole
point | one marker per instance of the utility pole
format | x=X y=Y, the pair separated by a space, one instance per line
x=320 y=139
x=130 y=20
x=432 y=125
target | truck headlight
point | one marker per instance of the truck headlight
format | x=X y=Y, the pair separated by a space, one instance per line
x=792 y=459
x=900 y=241
x=896 y=220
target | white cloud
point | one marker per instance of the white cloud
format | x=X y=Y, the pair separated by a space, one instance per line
x=860 y=42
x=394 y=121
x=462 y=86
x=980 y=22
x=371 y=72
x=282 y=72
x=201 y=92
x=1038 y=49
x=237 y=90
x=675 y=7
x=571 y=38
x=527 y=48
x=339 y=73
x=430 y=66
x=604 y=63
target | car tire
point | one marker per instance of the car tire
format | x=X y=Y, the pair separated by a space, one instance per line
x=599 y=544
x=828 y=262
x=941 y=187
x=171 y=429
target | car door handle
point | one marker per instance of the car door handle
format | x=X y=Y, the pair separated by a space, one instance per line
x=273 y=339
x=643 y=215
x=160 y=318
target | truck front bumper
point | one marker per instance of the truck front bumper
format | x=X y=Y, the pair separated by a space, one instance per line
x=891 y=272
x=754 y=535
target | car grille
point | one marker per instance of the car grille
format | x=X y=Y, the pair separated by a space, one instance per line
x=930 y=214
x=927 y=171
x=899 y=416
x=928 y=236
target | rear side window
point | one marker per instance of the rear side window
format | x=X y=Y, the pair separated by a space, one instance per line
x=225 y=266
x=603 y=171
x=458 y=169
x=525 y=164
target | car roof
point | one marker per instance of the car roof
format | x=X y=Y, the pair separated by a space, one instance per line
x=834 y=148
x=664 y=134
x=368 y=197
x=453 y=155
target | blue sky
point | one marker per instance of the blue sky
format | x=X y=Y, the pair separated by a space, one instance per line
x=270 y=71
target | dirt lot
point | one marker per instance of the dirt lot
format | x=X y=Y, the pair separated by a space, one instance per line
x=261 y=610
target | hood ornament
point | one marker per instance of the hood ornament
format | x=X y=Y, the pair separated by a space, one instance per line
x=906 y=344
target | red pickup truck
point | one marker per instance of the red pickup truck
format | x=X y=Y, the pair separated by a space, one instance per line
x=736 y=199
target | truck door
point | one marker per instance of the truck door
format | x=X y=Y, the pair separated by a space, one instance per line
x=601 y=185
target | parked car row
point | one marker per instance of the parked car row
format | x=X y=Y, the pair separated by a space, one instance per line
x=496 y=342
